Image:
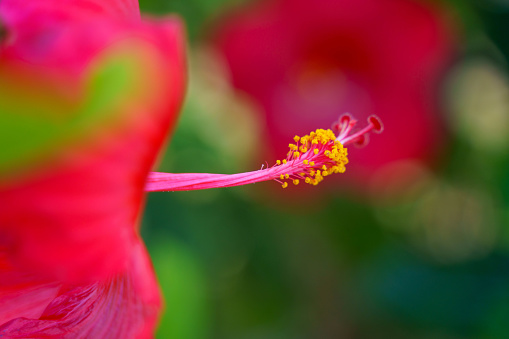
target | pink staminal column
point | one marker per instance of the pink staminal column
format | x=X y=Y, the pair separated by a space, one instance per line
x=310 y=159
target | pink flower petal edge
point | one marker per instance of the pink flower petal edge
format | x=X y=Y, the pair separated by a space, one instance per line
x=124 y=306
x=111 y=8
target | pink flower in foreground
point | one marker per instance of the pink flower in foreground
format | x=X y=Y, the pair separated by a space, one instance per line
x=88 y=92
x=307 y=62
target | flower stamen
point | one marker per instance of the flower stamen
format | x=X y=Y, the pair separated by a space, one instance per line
x=312 y=158
x=320 y=150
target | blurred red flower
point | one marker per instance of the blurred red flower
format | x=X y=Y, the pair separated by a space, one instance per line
x=306 y=63
x=88 y=92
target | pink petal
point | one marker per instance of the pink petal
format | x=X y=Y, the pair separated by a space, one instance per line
x=70 y=212
x=111 y=8
x=22 y=294
x=125 y=306
x=380 y=57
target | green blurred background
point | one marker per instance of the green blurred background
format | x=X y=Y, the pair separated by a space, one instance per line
x=430 y=261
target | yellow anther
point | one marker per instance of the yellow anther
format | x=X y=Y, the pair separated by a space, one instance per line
x=278 y=162
x=328 y=146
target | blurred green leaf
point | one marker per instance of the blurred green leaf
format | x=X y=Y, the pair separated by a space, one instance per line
x=181 y=275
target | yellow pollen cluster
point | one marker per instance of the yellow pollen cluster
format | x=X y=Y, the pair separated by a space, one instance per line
x=312 y=158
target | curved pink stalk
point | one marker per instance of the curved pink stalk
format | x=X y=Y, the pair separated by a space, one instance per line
x=345 y=125
x=312 y=158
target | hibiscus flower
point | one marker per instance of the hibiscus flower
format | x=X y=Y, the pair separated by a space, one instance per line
x=307 y=62
x=88 y=94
